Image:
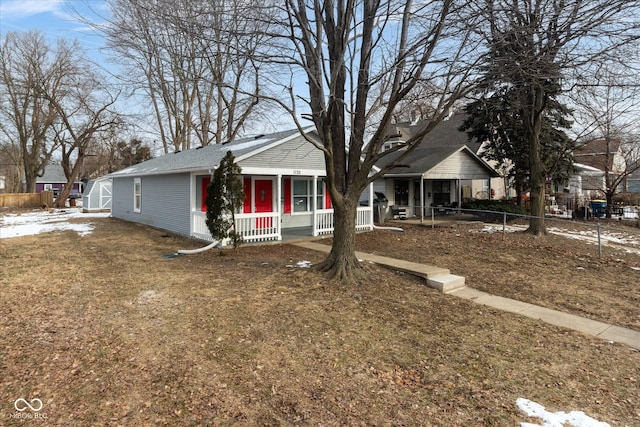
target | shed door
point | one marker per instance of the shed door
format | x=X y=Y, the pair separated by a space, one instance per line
x=105 y=195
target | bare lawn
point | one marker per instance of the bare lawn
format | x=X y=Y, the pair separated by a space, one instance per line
x=106 y=331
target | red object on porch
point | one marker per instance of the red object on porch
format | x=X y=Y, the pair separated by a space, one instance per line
x=246 y=207
x=287 y=195
x=205 y=184
x=327 y=199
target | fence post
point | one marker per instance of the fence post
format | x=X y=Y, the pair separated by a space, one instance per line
x=433 y=219
x=504 y=225
x=599 y=241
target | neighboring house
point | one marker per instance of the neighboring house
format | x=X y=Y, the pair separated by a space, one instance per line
x=96 y=196
x=591 y=160
x=443 y=171
x=54 y=179
x=633 y=183
x=283 y=176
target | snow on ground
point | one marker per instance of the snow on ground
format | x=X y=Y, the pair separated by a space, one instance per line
x=629 y=241
x=556 y=419
x=36 y=222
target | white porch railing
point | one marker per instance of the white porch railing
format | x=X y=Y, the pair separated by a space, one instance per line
x=261 y=227
x=255 y=227
x=324 y=220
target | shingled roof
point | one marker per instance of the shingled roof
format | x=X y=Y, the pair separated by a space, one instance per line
x=447 y=133
x=203 y=158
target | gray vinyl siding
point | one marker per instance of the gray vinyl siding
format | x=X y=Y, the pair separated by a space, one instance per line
x=165 y=202
x=295 y=154
x=458 y=166
x=297 y=220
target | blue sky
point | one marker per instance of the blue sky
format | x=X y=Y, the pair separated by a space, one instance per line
x=55 y=19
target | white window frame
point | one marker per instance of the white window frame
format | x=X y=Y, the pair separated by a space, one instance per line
x=137 y=194
x=309 y=196
x=48 y=187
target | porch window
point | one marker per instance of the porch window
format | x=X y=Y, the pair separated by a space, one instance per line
x=401 y=193
x=441 y=193
x=302 y=195
x=137 y=194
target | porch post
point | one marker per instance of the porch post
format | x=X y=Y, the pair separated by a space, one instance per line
x=459 y=190
x=314 y=219
x=192 y=203
x=278 y=208
x=421 y=199
x=371 y=204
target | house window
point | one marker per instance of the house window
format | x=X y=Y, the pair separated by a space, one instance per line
x=48 y=187
x=137 y=194
x=401 y=192
x=441 y=193
x=302 y=195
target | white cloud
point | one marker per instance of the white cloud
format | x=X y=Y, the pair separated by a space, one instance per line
x=16 y=9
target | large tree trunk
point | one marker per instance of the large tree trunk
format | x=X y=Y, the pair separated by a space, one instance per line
x=537 y=176
x=342 y=264
x=30 y=178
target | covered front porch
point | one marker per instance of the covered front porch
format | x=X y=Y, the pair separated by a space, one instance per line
x=275 y=204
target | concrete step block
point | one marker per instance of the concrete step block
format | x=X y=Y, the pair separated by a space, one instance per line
x=446 y=282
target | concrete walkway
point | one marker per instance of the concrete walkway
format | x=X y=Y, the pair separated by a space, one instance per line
x=441 y=279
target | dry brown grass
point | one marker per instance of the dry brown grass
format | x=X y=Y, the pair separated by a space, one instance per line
x=105 y=331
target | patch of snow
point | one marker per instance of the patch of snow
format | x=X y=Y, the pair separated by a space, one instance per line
x=32 y=223
x=556 y=419
x=303 y=264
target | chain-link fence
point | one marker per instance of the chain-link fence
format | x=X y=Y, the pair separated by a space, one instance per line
x=621 y=232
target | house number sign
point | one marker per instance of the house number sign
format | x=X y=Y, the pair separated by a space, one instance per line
x=297 y=172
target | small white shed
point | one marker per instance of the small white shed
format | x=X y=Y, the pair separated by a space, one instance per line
x=96 y=196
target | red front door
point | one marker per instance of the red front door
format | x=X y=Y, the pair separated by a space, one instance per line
x=263 y=200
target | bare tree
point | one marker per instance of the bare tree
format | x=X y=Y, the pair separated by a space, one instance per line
x=29 y=68
x=194 y=60
x=360 y=59
x=85 y=112
x=608 y=110
x=536 y=46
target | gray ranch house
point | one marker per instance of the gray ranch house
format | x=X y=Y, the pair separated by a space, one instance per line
x=284 y=182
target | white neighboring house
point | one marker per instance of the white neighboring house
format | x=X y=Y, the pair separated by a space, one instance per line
x=592 y=161
x=442 y=171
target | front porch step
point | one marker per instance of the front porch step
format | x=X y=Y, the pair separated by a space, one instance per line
x=435 y=277
x=446 y=283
